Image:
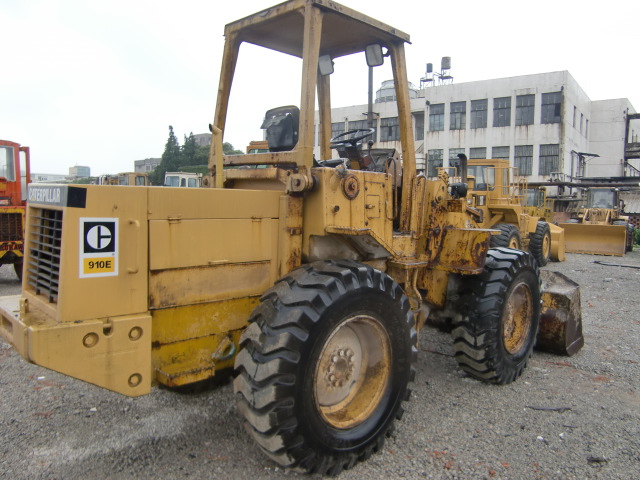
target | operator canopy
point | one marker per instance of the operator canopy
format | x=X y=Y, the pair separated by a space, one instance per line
x=344 y=31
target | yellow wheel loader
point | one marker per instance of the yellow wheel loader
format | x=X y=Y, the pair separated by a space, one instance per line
x=599 y=227
x=310 y=276
x=126 y=178
x=536 y=203
x=502 y=200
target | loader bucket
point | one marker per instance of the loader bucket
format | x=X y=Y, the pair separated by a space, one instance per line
x=561 y=318
x=594 y=238
x=558 y=247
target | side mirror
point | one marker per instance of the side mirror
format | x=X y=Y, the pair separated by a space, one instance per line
x=325 y=65
x=374 y=55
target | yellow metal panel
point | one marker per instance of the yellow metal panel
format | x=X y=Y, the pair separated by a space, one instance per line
x=194 y=321
x=352 y=204
x=196 y=359
x=11 y=327
x=404 y=245
x=557 y=243
x=187 y=243
x=188 y=286
x=290 y=238
x=191 y=343
x=114 y=353
x=595 y=239
x=189 y=203
x=99 y=296
x=463 y=250
x=435 y=282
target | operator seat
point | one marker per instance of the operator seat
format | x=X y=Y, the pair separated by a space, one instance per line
x=281 y=125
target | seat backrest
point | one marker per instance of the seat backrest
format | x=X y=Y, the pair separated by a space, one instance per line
x=281 y=125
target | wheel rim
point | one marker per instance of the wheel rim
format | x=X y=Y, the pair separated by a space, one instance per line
x=546 y=246
x=513 y=243
x=353 y=372
x=516 y=319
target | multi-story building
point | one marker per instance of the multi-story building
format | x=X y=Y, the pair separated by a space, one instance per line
x=147 y=165
x=79 y=171
x=202 y=139
x=545 y=124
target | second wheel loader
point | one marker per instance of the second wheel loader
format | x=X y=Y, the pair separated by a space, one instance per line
x=599 y=227
x=310 y=276
x=499 y=197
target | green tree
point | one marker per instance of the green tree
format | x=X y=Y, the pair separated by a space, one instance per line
x=194 y=154
x=171 y=159
x=202 y=155
x=84 y=181
x=183 y=158
x=189 y=149
x=228 y=149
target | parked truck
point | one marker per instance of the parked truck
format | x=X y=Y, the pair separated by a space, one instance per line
x=309 y=277
x=15 y=175
x=182 y=179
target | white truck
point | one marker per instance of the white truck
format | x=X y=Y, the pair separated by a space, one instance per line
x=182 y=179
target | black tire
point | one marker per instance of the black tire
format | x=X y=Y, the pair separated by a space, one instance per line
x=17 y=267
x=495 y=333
x=311 y=332
x=540 y=243
x=509 y=236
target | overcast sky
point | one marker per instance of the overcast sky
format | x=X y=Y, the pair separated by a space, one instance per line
x=97 y=83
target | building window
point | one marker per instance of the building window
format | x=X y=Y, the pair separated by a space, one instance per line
x=389 y=129
x=549 y=159
x=458 y=116
x=502 y=112
x=337 y=129
x=364 y=125
x=523 y=159
x=419 y=120
x=500 y=152
x=479 y=152
x=575 y=114
x=454 y=161
x=581 y=121
x=479 y=113
x=586 y=128
x=550 y=109
x=524 y=109
x=434 y=161
x=436 y=117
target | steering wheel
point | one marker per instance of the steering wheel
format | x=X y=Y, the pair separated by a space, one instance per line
x=351 y=137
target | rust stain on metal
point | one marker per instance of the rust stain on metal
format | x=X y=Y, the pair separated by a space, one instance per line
x=350 y=186
x=561 y=318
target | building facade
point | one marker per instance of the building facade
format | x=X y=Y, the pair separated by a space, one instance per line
x=146 y=166
x=79 y=172
x=49 y=178
x=545 y=124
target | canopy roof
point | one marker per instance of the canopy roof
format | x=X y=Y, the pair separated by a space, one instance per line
x=344 y=31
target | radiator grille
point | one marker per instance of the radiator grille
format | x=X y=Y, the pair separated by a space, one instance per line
x=10 y=227
x=43 y=269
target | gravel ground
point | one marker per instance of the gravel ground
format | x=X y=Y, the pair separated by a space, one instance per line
x=565 y=418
